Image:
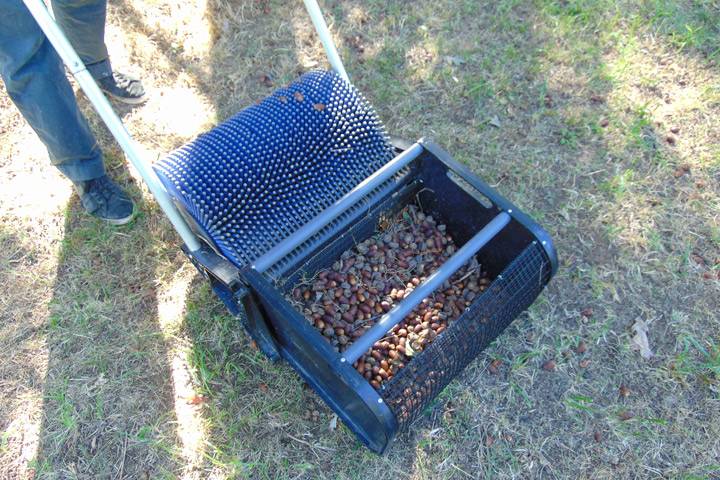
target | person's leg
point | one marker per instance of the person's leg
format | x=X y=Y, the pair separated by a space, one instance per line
x=35 y=80
x=83 y=22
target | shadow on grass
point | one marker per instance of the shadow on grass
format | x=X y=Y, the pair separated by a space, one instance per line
x=108 y=383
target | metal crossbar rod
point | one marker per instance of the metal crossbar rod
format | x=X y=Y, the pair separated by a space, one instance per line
x=425 y=289
x=329 y=214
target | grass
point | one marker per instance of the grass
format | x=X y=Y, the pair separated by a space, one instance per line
x=120 y=363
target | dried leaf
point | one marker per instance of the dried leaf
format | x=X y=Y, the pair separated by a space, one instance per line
x=640 y=340
x=495 y=121
x=454 y=60
x=101 y=380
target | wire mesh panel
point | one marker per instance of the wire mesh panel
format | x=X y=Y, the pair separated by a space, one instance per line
x=410 y=391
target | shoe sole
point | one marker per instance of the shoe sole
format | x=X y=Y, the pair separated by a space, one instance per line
x=129 y=101
x=119 y=221
x=116 y=221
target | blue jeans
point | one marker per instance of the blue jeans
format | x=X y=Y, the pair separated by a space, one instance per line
x=36 y=82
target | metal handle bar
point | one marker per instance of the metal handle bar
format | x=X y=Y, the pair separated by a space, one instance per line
x=324 y=33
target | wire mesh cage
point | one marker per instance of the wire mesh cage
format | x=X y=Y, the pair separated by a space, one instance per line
x=518 y=263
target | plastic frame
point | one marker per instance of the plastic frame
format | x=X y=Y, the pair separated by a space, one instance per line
x=281 y=332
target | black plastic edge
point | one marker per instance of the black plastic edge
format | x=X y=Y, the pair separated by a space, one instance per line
x=224 y=278
x=258 y=328
x=304 y=349
x=523 y=218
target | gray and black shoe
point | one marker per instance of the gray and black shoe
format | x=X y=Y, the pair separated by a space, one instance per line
x=103 y=198
x=123 y=87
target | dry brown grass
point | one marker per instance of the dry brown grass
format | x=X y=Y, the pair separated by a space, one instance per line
x=119 y=363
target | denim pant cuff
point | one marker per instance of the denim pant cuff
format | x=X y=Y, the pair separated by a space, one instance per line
x=101 y=69
x=80 y=170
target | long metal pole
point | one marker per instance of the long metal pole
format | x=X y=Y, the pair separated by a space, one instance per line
x=326 y=216
x=102 y=106
x=425 y=289
x=326 y=38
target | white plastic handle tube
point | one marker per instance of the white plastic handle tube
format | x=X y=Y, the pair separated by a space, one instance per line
x=102 y=106
x=322 y=29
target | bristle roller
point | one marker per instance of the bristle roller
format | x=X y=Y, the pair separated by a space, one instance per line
x=259 y=176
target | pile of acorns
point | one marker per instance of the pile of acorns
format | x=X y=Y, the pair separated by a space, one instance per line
x=344 y=301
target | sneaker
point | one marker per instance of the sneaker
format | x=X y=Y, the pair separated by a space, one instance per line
x=103 y=198
x=123 y=87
